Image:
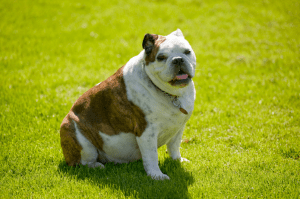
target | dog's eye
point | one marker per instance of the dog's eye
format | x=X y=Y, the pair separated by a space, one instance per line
x=161 y=57
x=187 y=52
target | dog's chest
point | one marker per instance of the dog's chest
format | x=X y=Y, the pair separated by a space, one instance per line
x=166 y=123
x=162 y=116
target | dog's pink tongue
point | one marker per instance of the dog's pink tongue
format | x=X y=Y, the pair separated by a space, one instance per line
x=184 y=76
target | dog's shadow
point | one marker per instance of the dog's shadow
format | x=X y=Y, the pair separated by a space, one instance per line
x=132 y=179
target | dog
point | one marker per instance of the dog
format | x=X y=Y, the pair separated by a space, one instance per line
x=141 y=107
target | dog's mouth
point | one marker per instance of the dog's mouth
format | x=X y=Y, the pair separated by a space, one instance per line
x=181 y=79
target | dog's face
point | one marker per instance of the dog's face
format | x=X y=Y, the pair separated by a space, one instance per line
x=170 y=62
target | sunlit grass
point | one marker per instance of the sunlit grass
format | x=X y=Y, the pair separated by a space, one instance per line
x=243 y=139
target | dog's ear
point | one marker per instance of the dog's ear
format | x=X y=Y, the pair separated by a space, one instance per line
x=148 y=42
x=177 y=33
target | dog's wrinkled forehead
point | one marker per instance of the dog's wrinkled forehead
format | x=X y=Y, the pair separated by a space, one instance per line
x=174 y=44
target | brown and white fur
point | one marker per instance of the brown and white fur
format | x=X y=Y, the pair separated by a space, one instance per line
x=143 y=106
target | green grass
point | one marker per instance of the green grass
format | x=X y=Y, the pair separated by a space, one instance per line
x=243 y=139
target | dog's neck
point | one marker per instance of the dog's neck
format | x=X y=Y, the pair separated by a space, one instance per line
x=176 y=102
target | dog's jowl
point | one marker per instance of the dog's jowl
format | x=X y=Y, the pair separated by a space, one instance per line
x=143 y=106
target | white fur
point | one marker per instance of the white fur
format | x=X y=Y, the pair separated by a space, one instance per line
x=121 y=148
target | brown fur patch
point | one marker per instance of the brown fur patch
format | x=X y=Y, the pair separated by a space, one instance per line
x=69 y=144
x=158 y=40
x=104 y=108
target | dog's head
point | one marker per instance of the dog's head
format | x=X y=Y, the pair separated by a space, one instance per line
x=169 y=61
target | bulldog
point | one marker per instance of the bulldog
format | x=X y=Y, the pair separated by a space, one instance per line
x=143 y=106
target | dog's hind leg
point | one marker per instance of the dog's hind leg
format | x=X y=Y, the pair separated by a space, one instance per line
x=70 y=146
x=76 y=148
x=89 y=153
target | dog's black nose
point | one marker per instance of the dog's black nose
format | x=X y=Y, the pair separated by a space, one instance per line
x=177 y=60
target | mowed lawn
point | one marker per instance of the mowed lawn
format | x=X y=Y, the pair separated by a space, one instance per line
x=243 y=139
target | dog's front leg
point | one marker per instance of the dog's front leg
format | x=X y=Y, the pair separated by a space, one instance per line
x=173 y=147
x=148 y=146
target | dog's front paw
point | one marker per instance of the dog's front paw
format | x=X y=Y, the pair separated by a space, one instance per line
x=184 y=160
x=158 y=176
